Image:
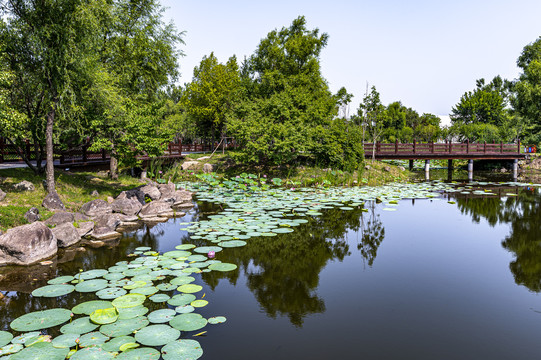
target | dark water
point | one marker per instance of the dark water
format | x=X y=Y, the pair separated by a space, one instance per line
x=432 y=280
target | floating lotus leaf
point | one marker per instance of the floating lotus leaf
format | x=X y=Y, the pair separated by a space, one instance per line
x=199 y=303
x=129 y=346
x=160 y=272
x=41 y=351
x=117 y=269
x=65 y=340
x=111 y=293
x=191 y=270
x=104 y=316
x=113 y=276
x=197 y=258
x=79 y=326
x=131 y=313
x=149 y=290
x=158 y=298
x=53 y=290
x=182 y=350
x=223 y=267
x=190 y=288
x=143 y=353
x=269 y=234
x=137 y=271
x=114 y=344
x=185 y=246
x=91 y=285
x=89 y=306
x=124 y=327
x=184 y=309
x=135 y=285
x=92 y=338
x=166 y=287
x=151 y=253
x=26 y=338
x=181 y=299
x=207 y=249
x=39 y=320
x=177 y=253
x=188 y=322
x=10 y=349
x=143 y=248
x=217 y=320
x=91 y=274
x=161 y=316
x=157 y=335
x=5 y=338
x=129 y=300
x=92 y=353
x=120 y=283
x=60 y=280
x=233 y=243
x=181 y=280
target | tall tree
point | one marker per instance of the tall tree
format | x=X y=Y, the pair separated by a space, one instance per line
x=373 y=113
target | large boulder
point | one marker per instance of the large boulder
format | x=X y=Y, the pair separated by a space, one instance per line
x=127 y=206
x=166 y=190
x=208 y=168
x=154 y=208
x=25 y=186
x=109 y=221
x=66 y=235
x=52 y=202
x=2 y=195
x=27 y=244
x=151 y=191
x=182 y=198
x=190 y=165
x=96 y=208
x=32 y=215
x=60 y=217
x=133 y=193
x=85 y=228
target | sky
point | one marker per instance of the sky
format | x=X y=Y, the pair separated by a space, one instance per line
x=423 y=53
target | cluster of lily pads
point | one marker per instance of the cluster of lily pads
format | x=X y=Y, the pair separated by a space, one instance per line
x=118 y=325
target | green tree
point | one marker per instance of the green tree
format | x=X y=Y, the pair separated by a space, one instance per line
x=373 y=115
x=210 y=97
x=526 y=99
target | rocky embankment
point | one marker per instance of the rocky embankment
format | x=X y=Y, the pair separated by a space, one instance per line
x=96 y=222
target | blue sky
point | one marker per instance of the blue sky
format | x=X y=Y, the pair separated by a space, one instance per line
x=425 y=54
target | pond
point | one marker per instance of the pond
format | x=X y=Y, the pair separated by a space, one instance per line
x=456 y=276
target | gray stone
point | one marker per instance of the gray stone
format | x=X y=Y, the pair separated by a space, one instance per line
x=110 y=221
x=133 y=193
x=172 y=214
x=127 y=206
x=367 y=167
x=151 y=191
x=94 y=193
x=27 y=244
x=154 y=219
x=80 y=217
x=32 y=215
x=166 y=190
x=208 y=168
x=104 y=233
x=2 y=195
x=182 y=197
x=66 y=234
x=401 y=168
x=25 y=186
x=154 y=208
x=190 y=165
x=60 y=217
x=85 y=228
x=52 y=202
x=387 y=168
x=96 y=208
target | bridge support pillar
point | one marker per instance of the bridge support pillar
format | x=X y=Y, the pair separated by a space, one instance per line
x=515 y=169
x=411 y=165
x=450 y=168
x=470 y=170
x=427 y=170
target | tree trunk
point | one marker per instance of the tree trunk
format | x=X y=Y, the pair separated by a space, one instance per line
x=113 y=166
x=49 y=150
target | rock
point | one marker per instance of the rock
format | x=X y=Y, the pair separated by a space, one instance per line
x=94 y=193
x=103 y=173
x=95 y=243
x=208 y=168
x=387 y=168
x=401 y=168
x=52 y=202
x=27 y=244
x=66 y=234
x=190 y=165
x=25 y=186
x=80 y=217
x=104 y=233
x=109 y=220
x=128 y=219
x=96 y=208
x=154 y=208
x=172 y=214
x=85 y=228
x=127 y=206
x=182 y=198
x=367 y=167
x=32 y=215
x=503 y=170
x=154 y=219
x=2 y=195
x=166 y=190
x=133 y=193
x=110 y=199
x=151 y=191
x=60 y=217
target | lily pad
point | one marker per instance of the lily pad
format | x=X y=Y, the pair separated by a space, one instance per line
x=181 y=299
x=207 y=249
x=92 y=338
x=124 y=327
x=114 y=344
x=92 y=353
x=161 y=316
x=10 y=349
x=129 y=300
x=41 y=351
x=199 y=303
x=190 y=288
x=233 y=243
x=91 y=285
x=5 y=338
x=188 y=322
x=60 y=280
x=182 y=280
x=53 y=290
x=182 y=350
x=131 y=313
x=39 y=320
x=65 y=340
x=222 y=267
x=158 y=298
x=26 y=338
x=184 y=309
x=111 y=293
x=91 y=274
x=144 y=353
x=166 y=287
x=79 y=326
x=185 y=246
x=104 y=316
x=216 y=320
x=148 y=290
x=157 y=335
x=89 y=306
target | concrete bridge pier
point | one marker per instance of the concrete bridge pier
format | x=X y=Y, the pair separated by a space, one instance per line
x=411 y=164
x=427 y=170
x=450 y=169
x=470 y=170
x=515 y=169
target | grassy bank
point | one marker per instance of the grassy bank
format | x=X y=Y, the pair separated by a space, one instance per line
x=73 y=188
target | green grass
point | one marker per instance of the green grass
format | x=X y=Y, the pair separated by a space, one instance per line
x=73 y=188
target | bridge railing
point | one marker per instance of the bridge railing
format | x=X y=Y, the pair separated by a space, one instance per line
x=441 y=148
